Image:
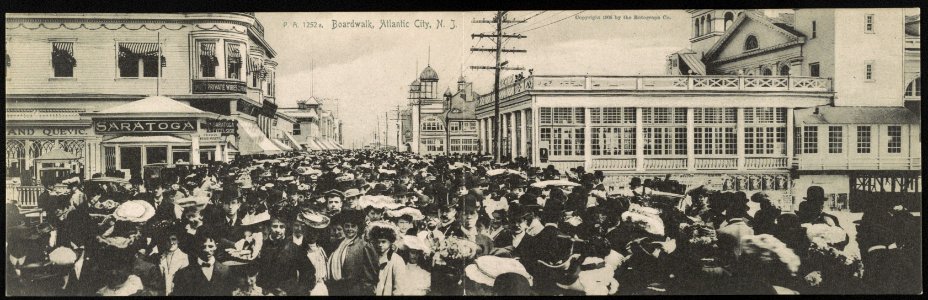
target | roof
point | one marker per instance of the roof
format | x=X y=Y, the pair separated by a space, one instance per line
x=57 y=154
x=757 y=17
x=428 y=74
x=855 y=115
x=301 y=113
x=153 y=105
x=693 y=62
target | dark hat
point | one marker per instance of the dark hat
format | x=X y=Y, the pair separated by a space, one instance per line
x=815 y=193
x=335 y=192
x=349 y=216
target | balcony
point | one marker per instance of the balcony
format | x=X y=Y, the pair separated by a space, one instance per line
x=218 y=86
x=843 y=163
x=510 y=86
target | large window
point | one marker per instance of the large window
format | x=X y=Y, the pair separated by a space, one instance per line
x=863 y=139
x=868 y=21
x=296 y=129
x=434 y=145
x=156 y=155
x=138 y=60
x=764 y=140
x=564 y=141
x=464 y=145
x=469 y=126
x=255 y=69
x=663 y=115
x=665 y=141
x=454 y=126
x=63 y=61
x=835 y=139
x=208 y=60
x=714 y=133
x=810 y=139
x=895 y=139
x=611 y=141
x=612 y=115
x=233 y=61
x=432 y=124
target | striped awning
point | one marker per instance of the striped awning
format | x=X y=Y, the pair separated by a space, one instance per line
x=63 y=53
x=254 y=65
x=142 y=49
x=63 y=47
x=234 y=55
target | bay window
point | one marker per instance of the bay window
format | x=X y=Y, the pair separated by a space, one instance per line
x=233 y=61
x=208 y=60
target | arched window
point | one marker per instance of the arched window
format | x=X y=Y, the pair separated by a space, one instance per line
x=766 y=71
x=709 y=23
x=915 y=88
x=784 y=70
x=750 y=43
x=729 y=18
x=432 y=124
x=696 y=28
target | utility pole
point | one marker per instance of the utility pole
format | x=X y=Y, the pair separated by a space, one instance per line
x=499 y=66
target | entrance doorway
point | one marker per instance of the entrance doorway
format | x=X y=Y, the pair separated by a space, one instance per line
x=130 y=158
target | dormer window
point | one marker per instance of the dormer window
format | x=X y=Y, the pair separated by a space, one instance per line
x=750 y=43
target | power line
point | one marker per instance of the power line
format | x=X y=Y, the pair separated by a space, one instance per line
x=526 y=19
x=555 y=22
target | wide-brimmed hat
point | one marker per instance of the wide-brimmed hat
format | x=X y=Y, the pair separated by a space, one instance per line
x=314 y=220
x=815 y=193
x=412 y=212
x=199 y=202
x=62 y=256
x=136 y=211
x=486 y=268
x=253 y=219
x=350 y=193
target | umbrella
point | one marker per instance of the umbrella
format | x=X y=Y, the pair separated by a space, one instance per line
x=546 y=183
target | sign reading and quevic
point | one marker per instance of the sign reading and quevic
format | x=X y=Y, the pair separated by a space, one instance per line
x=224 y=127
x=218 y=86
x=143 y=126
x=47 y=132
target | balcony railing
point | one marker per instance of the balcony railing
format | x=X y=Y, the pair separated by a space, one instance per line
x=716 y=163
x=882 y=163
x=664 y=163
x=510 y=86
x=613 y=163
x=765 y=163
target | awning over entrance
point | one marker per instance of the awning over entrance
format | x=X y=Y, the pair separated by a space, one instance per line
x=148 y=139
x=253 y=141
x=292 y=141
x=281 y=145
x=312 y=145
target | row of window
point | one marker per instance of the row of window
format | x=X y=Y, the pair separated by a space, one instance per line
x=456 y=126
x=809 y=136
x=660 y=115
x=139 y=60
x=434 y=145
x=464 y=145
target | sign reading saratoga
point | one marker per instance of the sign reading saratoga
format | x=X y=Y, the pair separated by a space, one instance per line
x=110 y=126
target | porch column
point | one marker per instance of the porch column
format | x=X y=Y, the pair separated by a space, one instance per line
x=639 y=140
x=790 y=137
x=480 y=133
x=587 y=140
x=740 y=140
x=523 y=140
x=512 y=135
x=144 y=156
x=194 y=149
x=690 y=140
x=536 y=135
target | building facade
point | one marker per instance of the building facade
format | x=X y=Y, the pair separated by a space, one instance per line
x=63 y=70
x=314 y=128
x=440 y=123
x=753 y=105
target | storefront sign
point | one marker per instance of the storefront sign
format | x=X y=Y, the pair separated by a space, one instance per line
x=212 y=138
x=113 y=126
x=218 y=86
x=46 y=132
x=224 y=127
x=269 y=108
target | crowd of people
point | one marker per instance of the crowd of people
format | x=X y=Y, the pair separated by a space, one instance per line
x=368 y=222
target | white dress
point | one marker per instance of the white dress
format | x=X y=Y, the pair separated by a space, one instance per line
x=318 y=257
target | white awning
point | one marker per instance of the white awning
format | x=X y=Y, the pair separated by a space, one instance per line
x=312 y=145
x=281 y=145
x=293 y=141
x=148 y=139
x=253 y=141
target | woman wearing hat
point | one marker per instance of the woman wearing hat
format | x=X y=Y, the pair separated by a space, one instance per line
x=316 y=228
x=392 y=273
x=353 y=265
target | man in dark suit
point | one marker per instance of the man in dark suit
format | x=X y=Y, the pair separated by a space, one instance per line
x=283 y=261
x=84 y=276
x=207 y=277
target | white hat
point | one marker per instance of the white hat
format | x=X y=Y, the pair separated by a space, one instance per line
x=252 y=219
x=62 y=256
x=486 y=268
x=137 y=211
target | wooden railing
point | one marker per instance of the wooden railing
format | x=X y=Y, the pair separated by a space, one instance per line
x=882 y=163
x=562 y=165
x=29 y=196
x=765 y=163
x=716 y=163
x=511 y=86
x=664 y=163
x=613 y=163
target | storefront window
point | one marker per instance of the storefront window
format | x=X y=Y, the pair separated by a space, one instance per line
x=180 y=153
x=156 y=155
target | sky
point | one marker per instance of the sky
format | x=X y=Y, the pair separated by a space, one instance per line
x=369 y=69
